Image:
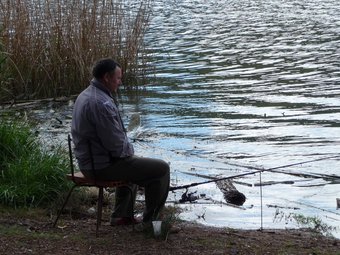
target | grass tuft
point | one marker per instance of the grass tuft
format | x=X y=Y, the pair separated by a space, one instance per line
x=29 y=175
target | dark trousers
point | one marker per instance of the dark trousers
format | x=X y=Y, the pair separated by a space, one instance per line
x=152 y=174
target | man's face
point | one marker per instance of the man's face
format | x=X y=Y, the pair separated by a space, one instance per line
x=113 y=79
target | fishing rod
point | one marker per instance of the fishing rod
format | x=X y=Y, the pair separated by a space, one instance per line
x=311 y=175
x=254 y=172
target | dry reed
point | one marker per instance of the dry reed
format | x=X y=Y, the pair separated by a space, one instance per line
x=48 y=47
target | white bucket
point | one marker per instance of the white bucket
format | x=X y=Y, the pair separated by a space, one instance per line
x=157 y=227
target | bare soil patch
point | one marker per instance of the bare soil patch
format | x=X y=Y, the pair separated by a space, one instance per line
x=34 y=234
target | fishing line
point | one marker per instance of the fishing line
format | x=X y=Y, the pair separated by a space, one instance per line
x=255 y=172
x=312 y=206
x=274 y=169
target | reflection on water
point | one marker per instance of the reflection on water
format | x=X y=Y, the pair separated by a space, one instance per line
x=252 y=75
x=252 y=83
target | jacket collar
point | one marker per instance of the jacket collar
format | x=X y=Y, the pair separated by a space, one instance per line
x=96 y=83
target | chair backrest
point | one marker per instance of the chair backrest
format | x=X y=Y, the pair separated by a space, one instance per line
x=69 y=141
x=91 y=159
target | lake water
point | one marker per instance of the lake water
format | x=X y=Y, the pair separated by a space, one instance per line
x=239 y=86
x=254 y=83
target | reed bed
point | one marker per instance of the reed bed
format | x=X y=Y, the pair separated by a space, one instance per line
x=47 y=48
x=29 y=175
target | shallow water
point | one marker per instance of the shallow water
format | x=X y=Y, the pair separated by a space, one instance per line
x=239 y=84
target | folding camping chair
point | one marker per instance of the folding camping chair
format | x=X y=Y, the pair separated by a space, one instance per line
x=80 y=180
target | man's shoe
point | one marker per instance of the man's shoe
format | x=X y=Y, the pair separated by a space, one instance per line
x=124 y=221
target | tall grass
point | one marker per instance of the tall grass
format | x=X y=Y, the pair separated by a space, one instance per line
x=29 y=176
x=50 y=46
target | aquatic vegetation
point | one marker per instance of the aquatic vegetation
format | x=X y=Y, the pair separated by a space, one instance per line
x=314 y=224
x=29 y=175
x=51 y=45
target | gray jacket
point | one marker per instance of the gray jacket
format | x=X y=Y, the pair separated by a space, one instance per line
x=96 y=125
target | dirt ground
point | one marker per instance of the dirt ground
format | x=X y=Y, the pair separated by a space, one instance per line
x=32 y=233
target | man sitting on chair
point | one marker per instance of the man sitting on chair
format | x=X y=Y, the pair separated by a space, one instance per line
x=103 y=150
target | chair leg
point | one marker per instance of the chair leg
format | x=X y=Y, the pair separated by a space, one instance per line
x=99 y=208
x=64 y=204
x=132 y=207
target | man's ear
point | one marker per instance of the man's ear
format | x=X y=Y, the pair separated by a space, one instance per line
x=106 y=77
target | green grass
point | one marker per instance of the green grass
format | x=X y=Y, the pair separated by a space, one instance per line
x=29 y=175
